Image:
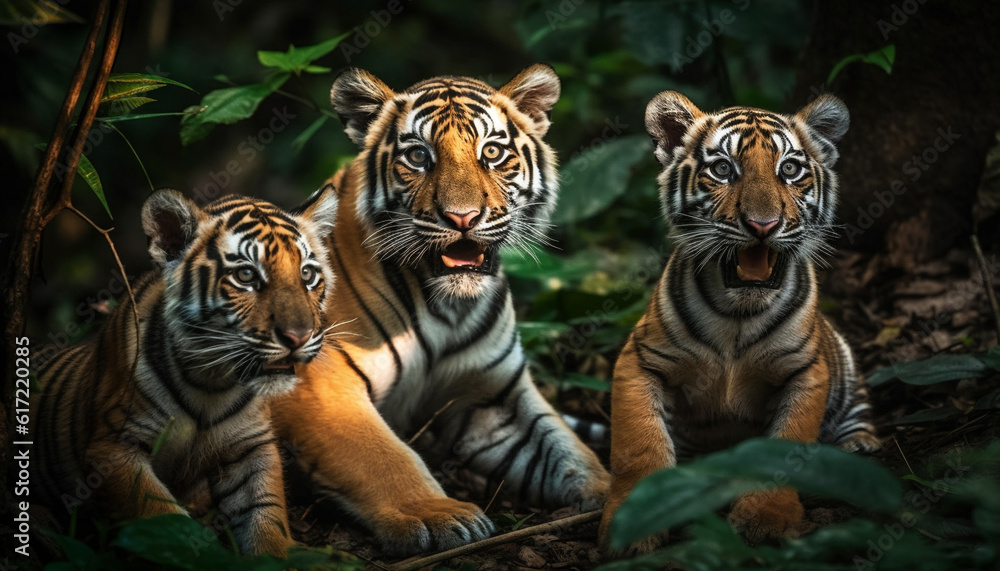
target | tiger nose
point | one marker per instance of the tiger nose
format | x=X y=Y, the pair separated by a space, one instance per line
x=293 y=338
x=463 y=220
x=763 y=228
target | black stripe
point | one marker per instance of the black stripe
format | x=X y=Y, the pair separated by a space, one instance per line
x=357 y=370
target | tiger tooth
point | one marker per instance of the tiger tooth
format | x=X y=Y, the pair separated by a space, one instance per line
x=448 y=262
x=739 y=273
x=480 y=259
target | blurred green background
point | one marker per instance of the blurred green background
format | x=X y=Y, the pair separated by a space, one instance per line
x=576 y=304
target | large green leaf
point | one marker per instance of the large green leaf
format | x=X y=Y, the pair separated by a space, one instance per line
x=296 y=60
x=227 y=106
x=690 y=491
x=936 y=369
x=593 y=179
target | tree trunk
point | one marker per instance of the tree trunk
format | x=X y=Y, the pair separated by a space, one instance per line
x=913 y=157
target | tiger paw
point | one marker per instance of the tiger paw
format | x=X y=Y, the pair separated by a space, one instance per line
x=641 y=547
x=589 y=491
x=769 y=514
x=864 y=442
x=431 y=524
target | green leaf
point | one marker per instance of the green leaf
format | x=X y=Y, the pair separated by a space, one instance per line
x=89 y=175
x=85 y=169
x=883 y=57
x=174 y=539
x=308 y=132
x=121 y=95
x=677 y=495
x=296 y=60
x=594 y=178
x=936 y=369
x=227 y=106
x=929 y=415
x=581 y=381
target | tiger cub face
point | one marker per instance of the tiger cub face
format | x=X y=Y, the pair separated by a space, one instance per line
x=453 y=170
x=748 y=189
x=245 y=284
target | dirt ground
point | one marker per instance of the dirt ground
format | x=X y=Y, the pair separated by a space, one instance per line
x=888 y=317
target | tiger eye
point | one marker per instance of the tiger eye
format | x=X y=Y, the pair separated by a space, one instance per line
x=417 y=156
x=308 y=273
x=246 y=275
x=722 y=168
x=790 y=169
x=492 y=151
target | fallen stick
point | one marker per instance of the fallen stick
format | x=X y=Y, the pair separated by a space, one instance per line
x=417 y=562
x=987 y=283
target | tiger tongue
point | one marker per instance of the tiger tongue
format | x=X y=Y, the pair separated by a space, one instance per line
x=753 y=264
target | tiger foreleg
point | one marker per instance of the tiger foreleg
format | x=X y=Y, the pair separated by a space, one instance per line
x=777 y=512
x=517 y=438
x=249 y=491
x=131 y=489
x=640 y=441
x=338 y=436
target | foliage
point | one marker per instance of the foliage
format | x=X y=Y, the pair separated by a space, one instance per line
x=927 y=527
x=175 y=541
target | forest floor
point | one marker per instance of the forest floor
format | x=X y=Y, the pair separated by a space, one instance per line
x=888 y=317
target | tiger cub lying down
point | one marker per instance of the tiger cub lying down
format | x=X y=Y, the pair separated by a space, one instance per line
x=236 y=300
x=733 y=344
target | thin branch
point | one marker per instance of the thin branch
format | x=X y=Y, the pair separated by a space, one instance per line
x=987 y=283
x=427 y=425
x=24 y=252
x=418 y=562
x=112 y=39
x=495 y=494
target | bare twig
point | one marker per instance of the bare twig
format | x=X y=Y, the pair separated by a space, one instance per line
x=24 y=252
x=908 y=467
x=495 y=494
x=987 y=283
x=418 y=562
x=427 y=425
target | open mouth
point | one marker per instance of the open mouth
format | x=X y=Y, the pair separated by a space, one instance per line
x=464 y=256
x=280 y=367
x=756 y=266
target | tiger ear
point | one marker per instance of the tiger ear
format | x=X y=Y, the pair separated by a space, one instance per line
x=535 y=91
x=357 y=96
x=668 y=117
x=320 y=209
x=828 y=117
x=171 y=220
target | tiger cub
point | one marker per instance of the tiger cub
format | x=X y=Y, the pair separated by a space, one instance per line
x=235 y=301
x=733 y=344
x=450 y=170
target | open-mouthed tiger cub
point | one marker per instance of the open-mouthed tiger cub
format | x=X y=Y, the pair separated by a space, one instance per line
x=733 y=344
x=236 y=301
x=449 y=171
